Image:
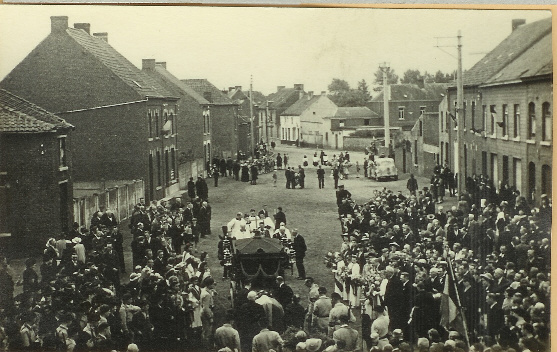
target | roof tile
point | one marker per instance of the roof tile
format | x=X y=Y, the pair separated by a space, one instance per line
x=20 y=115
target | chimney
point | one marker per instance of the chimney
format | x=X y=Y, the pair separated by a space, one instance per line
x=148 y=64
x=230 y=89
x=85 y=26
x=58 y=24
x=310 y=95
x=101 y=35
x=280 y=87
x=298 y=86
x=517 y=22
x=161 y=63
x=239 y=87
x=324 y=93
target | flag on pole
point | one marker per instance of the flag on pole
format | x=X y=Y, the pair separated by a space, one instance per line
x=451 y=313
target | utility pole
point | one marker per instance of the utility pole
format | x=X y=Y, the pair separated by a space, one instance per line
x=251 y=119
x=460 y=121
x=386 y=116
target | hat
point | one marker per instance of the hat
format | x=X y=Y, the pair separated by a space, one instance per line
x=301 y=335
x=430 y=216
x=76 y=240
x=397 y=332
x=313 y=345
x=487 y=276
x=301 y=346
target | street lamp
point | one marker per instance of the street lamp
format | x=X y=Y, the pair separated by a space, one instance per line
x=385 y=68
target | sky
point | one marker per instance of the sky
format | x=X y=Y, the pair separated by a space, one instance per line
x=233 y=46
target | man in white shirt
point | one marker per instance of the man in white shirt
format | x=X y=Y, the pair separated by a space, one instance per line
x=237 y=227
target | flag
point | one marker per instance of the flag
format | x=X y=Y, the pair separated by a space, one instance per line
x=494 y=116
x=453 y=117
x=451 y=314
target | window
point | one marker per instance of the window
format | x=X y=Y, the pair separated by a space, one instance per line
x=62 y=152
x=157 y=124
x=401 y=112
x=531 y=121
x=366 y=122
x=173 y=164
x=484 y=117
x=516 y=122
x=421 y=127
x=493 y=113
x=505 y=125
x=415 y=151
x=447 y=121
x=464 y=114
x=547 y=122
x=159 y=169
x=473 y=116
x=150 y=118
x=341 y=123
x=167 y=166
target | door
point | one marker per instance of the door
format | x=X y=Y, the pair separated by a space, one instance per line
x=336 y=141
x=484 y=163
x=64 y=206
x=404 y=160
x=531 y=180
x=546 y=180
x=505 y=178
x=151 y=179
x=517 y=174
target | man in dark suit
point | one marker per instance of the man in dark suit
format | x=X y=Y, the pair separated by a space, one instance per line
x=108 y=219
x=204 y=219
x=494 y=315
x=393 y=297
x=300 y=248
x=280 y=217
x=283 y=293
x=321 y=177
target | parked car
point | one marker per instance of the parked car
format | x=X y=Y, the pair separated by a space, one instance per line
x=383 y=169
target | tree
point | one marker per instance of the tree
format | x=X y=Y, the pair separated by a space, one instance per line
x=342 y=95
x=353 y=97
x=392 y=77
x=362 y=87
x=338 y=86
x=412 y=77
x=441 y=77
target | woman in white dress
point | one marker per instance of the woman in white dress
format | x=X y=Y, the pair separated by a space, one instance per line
x=355 y=278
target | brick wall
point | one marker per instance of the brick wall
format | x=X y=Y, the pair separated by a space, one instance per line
x=59 y=75
x=31 y=162
x=224 y=130
x=526 y=151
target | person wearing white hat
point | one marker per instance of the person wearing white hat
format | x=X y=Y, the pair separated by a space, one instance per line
x=79 y=249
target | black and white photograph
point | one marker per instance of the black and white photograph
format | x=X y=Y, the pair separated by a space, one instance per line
x=275 y=179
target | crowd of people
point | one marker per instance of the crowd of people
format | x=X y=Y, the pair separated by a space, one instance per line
x=81 y=301
x=402 y=256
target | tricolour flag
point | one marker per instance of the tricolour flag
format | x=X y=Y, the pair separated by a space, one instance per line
x=451 y=314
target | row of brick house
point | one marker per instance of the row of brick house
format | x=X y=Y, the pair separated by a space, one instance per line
x=130 y=124
x=507 y=122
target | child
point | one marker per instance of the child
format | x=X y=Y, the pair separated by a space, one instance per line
x=275 y=178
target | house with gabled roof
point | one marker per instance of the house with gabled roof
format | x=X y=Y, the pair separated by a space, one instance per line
x=345 y=121
x=222 y=121
x=125 y=121
x=242 y=100
x=35 y=174
x=303 y=121
x=270 y=110
x=191 y=121
x=507 y=115
x=407 y=102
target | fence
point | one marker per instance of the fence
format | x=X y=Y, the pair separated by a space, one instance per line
x=120 y=199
